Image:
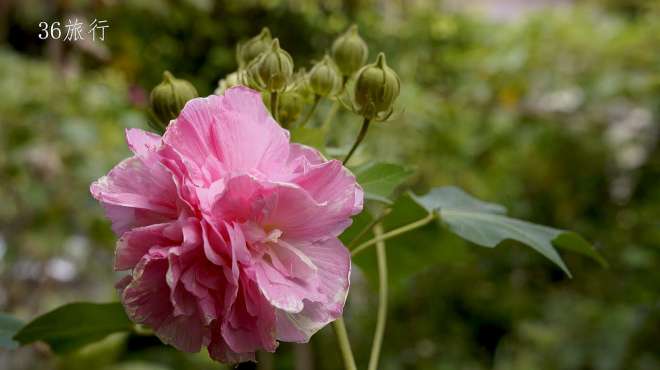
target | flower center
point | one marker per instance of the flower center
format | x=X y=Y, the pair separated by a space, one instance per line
x=272 y=236
x=259 y=237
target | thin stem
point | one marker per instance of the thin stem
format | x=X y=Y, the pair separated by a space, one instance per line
x=344 y=344
x=382 y=300
x=325 y=126
x=303 y=356
x=273 y=104
x=360 y=137
x=317 y=99
x=265 y=360
x=371 y=225
x=390 y=234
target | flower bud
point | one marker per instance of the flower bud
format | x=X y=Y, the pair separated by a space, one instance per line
x=272 y=70
x=250 y=49
x=290 y=106
x=349 y=51
x=324 y=78
x=300 y=84
x=230 y=80
x=168 y=98
x=376 y=88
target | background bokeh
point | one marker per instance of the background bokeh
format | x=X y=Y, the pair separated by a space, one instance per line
x=548 y=107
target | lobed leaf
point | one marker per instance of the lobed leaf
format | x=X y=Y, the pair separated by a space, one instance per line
x=485 y=224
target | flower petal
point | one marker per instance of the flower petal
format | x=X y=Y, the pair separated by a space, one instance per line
x=134 y=244
x=228 y=134
x=331 y=182
x=251 y=322
x=333 y=262
x=141 y=142
x=286 y=277
x=137 y=192
x=293 y=210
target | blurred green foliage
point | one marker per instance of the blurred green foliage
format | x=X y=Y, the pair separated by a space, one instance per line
x=554 y=115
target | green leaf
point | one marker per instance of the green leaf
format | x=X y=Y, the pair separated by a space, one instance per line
x=310 y=136
x=450 y=197
x=574 y=242
x=380 y=180
x=485 y=224
x=75 y=325
x=9 y=325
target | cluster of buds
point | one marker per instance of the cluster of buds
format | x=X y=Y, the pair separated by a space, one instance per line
x=368 y=90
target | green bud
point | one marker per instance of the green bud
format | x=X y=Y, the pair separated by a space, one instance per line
x=230 y=80
x=272 y=70
x=290 y=106
x=299 y=84
x=350 y=51
x=376 y=88
x=168 y=98
x=324 y=78
x=250 y=49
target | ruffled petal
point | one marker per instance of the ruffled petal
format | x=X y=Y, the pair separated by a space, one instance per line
x=333 y=262
x=233 y=133
x=292 y=209
x=250 y=324
x=192 y=139
x=137 y=192
x=330 y=182
x=219 y=350
x=141 y=142
x=251 y=141
x=286 y=277
x=134 y=244
x=241 y=200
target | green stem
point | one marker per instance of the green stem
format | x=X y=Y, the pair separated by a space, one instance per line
x=344 y=344
x=317 y=99
x=390 y=234
x=361 y=135
x=273 y=104
x=325 y=126
x=371 y=225
x=382 y=300
x=265 y=360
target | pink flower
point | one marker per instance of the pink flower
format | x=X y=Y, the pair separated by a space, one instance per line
x=229 y=230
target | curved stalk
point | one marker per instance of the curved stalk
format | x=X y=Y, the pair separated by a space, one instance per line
x=371 y=225
x=382 y=300
x=390 y=234
x=344 y=344
x=325 y=126
x=273 y=104
x=317 y=99
x=360 y=137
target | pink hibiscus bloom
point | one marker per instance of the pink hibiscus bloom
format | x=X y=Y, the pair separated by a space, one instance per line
x=229 y=230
